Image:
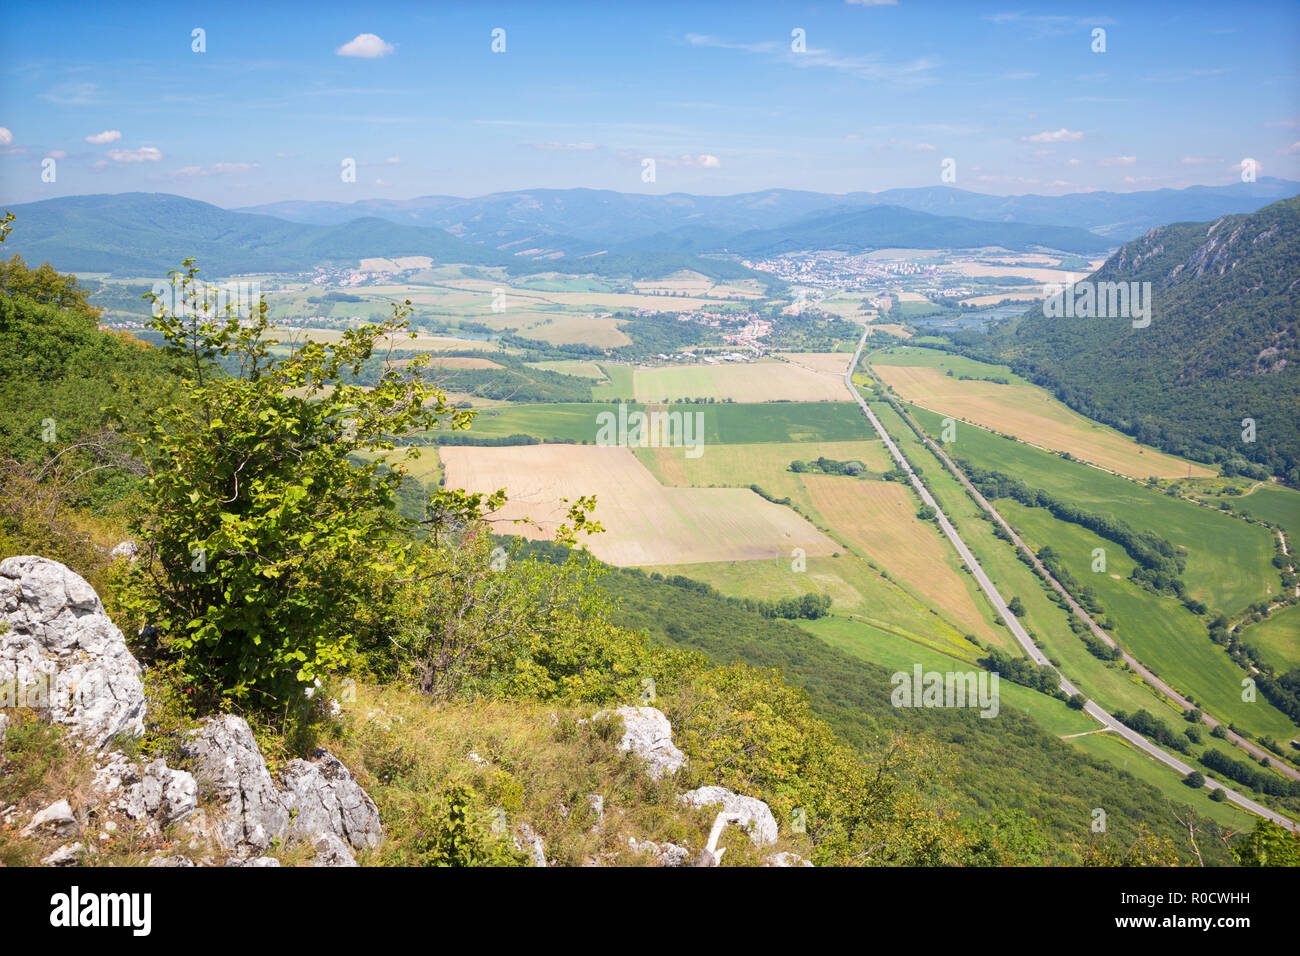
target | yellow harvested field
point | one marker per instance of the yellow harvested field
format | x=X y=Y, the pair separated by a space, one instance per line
x=827 y=363
x=879 y=518
x=645 y=523
x=892 y=329
x=463 y=361
x=762 y=381
x=1035 y=417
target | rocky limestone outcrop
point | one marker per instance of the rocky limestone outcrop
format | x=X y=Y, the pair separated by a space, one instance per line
x=648 y=734
x=750 y=812
x=62 y=653
x=320 y=798
x=232 y=771
x=153 y=790
x=327 y=799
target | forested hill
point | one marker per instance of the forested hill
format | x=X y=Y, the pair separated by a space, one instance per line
x=1221 y=346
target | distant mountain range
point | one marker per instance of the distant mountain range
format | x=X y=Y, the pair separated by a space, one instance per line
x=1222 y=345
x=576 y=221
x=147 y=233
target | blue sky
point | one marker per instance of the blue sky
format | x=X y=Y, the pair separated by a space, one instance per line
x=713 y=92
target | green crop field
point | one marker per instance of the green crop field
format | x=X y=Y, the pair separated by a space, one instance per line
x=1274 y=503
x=620 y=384
x=1229 y=562
x=899 y=654
x=722 y=423
x=1157 y=630
x=1277 y=637
x=855 y=588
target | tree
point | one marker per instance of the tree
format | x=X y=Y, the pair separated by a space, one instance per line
x=1195 y=780
x=268 y=544
x=1269 y=845
x=1016 y=607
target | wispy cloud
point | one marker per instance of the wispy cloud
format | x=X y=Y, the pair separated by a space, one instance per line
x=108 y=136
x=864 y=67
x=74 y=94
x=216 y=169
x=1117 y=161
x=1061 y=135
x=564 y=147
x=145 y=154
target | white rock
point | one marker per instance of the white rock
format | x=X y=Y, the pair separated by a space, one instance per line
x=63 y=653
x=57 y=818
x=664 y=854
x=527 y=841
x=64 y=856
x=648 y=734
x=331 y=850
x=752 y=813
x=328 y=798
x=127 y=550
x=786 y=859
x=232 y=770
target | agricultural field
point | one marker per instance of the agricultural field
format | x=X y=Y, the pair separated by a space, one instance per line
x=1155 y=629
x=1274 y=503
x=920 y=376
x=722 y=423
x=857 y=590
x=827 y=363
x=1277 y=638
x=879 y=519
x=575 y=367
x=761 y=381
x=766 y=464
x=645 y=523
x=1229 y=561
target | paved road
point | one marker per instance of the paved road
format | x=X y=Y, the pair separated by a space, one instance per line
x=1013 y=623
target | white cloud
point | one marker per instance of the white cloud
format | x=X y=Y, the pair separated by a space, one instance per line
x=1072 y=162
x=108 y=136
x=216 y=169
x=565 y=147
x=1061 y=135
x=393 y=160
x=145 y=154
x=6 y=137
x=1196 y=160
x=57 y=154
x=1117 y=161
x=924 y=147
x=366 y=45
x=1293 y=149
x=286 y=155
